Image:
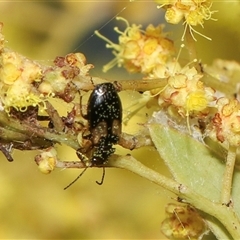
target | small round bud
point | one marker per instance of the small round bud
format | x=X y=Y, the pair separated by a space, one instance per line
x=46 y=161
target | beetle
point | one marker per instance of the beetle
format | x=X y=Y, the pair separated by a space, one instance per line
x=104 y=116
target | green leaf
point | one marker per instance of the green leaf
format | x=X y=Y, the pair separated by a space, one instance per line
x=190 y=161
x=194 y=165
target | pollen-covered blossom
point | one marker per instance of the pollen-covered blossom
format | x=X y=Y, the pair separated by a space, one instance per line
x=25 y=83
x=192 y=12
x=187 y=93
x=183 y=222
x=17 y=77
x=226 y=122
x=139 y=50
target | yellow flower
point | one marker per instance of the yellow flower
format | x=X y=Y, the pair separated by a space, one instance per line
x=17 y=76
x=183 y=222
x=186 y=92
x=10 y=69
x=196 y=101
x=174 y=15
x=47 y=160
x=20 y=97
x=226 y=122
x=15 y=67
x=138 y=50
x=192 y=12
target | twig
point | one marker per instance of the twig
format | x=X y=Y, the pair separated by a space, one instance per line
x=191 y=47
x=228 y=176
x=133 y=142
x=221 y=212
x=136 y=84
x=55 y=117
x=24 y=131
x=6 y=150
x=224 y=214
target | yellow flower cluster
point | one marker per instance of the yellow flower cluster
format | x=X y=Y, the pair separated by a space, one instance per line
x=138 y=50
x=25 y=83
x=186 y=92
x=150 y=53
x=226 y=122
x=192 y=12
x=17 y=76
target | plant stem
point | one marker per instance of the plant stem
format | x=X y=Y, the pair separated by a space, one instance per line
x=191 y=47
x=222 y=213
x=131 y=164
x=208 y=78
x=228 y=176
x=16 y=131
x=136 y=85
x=225 y=215
x=55 y=117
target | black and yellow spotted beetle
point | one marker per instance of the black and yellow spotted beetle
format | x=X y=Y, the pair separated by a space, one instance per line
x=104 y=115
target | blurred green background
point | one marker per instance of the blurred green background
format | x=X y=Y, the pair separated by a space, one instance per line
x=33 y=205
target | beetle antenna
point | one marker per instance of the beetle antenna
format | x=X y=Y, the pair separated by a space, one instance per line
x=75 y=179
x=103 y=176
x=92 y=82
